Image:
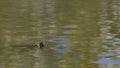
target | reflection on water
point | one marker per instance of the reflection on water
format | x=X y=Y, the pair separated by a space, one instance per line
x=109 y=28
x=76 y=34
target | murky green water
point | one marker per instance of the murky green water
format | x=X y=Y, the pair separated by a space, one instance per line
x=76 y=33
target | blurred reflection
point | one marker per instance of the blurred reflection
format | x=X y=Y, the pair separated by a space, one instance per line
x=76 y=34
x=110 y=33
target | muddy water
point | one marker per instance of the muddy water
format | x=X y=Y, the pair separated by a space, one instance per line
x=76 y=33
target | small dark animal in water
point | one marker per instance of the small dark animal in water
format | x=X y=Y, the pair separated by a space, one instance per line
x=39 y=45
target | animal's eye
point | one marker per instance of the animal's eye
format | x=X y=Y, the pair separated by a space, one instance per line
x=41 y=45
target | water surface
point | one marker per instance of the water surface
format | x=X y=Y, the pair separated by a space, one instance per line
x=76 y=33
